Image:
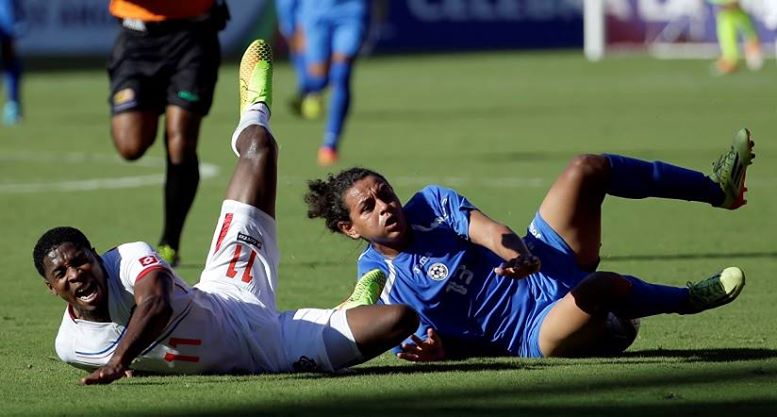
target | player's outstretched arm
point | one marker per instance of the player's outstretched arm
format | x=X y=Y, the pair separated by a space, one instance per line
x=498 y=238
x=150 y=316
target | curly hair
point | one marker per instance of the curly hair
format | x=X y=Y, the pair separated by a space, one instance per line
x=325 y=197
x=52 y=239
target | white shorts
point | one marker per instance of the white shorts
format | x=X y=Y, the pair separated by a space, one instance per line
x=242 y=265
x=244 y=252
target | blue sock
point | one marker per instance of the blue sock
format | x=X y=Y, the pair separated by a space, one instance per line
x=339 y=102
x=634 y=178
x=13 y=75
x=298 y=61
x=646 y=299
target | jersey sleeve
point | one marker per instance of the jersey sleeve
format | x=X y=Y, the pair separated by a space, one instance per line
x=137 y=261
x=449 y=207
x=367 y=263
x=86 y=345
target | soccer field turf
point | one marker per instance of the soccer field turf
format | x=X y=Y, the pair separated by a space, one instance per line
x=498 y=127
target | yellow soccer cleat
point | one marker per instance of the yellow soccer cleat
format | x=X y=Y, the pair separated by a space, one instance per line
x=312 y=107
x=168 y=254
x=730 y=170
x=256 y=75
x=715 y=291
x=367 y=290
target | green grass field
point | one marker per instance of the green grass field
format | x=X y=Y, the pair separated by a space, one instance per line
x=498 y=127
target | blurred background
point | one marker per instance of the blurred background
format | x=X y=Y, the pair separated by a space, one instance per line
x=666 y=28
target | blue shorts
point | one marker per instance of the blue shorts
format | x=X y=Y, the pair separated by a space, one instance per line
x=9 y=18
x=331 y=33
x=287 y=13
x=559 y=274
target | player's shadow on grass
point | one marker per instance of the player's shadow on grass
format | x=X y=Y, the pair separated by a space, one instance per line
x=558 y=396
x=685 y=256
x=705 y=355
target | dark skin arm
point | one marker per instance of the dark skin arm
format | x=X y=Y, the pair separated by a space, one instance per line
x=150 y=316
x=519 y=262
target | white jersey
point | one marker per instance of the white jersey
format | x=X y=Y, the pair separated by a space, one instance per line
x=227 y=323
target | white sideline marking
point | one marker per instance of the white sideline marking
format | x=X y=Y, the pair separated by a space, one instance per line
x=89 y=184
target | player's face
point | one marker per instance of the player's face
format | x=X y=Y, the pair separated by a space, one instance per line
x=76 y=275
x=375 y=212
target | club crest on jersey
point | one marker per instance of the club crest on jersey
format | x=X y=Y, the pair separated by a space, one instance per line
x=438 y=271
x=148 y=260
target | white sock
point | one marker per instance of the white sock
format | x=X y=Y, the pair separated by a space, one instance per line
x=255 y=114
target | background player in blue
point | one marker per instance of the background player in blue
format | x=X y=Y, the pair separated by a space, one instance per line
x=288 y=16
x=333 y=31
x=482 y=289
x=11 y=64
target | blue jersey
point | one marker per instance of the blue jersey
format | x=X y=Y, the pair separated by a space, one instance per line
x=10 y=18
x=287 y=13
x=451 y=282
x=332 y=27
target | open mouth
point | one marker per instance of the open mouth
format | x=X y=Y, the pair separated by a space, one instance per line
x=86 y=293
x=390 y=222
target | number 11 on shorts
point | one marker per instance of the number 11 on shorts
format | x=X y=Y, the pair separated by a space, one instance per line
x=232 y=270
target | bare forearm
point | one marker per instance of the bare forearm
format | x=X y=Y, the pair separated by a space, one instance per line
x=499 y=239
x=146 y=324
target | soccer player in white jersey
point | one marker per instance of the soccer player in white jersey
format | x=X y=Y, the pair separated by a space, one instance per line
x=482 y=289
x=128 y=310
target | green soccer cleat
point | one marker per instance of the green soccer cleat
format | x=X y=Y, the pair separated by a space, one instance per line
x=168 y=254
x=256 y=75
x=730 y=170
x=715 y=291
x=367 y=290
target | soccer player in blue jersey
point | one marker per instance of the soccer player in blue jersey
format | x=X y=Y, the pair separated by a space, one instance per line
x=11 y=64
x=481 y=289
x=287 y=12
x=333 y=31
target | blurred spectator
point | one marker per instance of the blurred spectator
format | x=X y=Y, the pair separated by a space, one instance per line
x=165 y=61
x=731 y=19
x=333 y=31
x=11 y=64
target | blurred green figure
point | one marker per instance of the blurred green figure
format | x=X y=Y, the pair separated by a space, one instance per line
x=731 y=19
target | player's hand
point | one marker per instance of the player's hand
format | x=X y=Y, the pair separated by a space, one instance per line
x=106 y=374
x=519 y=267
x=427 y=350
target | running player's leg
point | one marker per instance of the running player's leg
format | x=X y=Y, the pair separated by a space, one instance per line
x=347 y=36
x=195 y=55
x=182 y=130
x=316 y=30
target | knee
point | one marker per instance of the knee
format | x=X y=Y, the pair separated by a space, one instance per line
x=588 y=169
x=131 y=143
x=129 y=148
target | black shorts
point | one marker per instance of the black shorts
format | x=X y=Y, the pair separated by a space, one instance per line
x=166 y=65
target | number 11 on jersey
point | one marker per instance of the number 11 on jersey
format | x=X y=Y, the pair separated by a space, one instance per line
x=232 y=270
